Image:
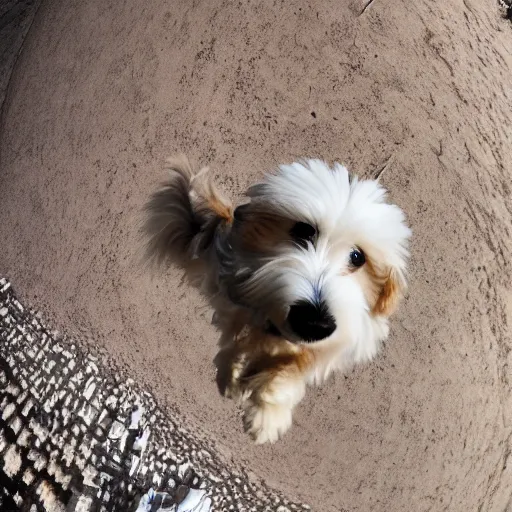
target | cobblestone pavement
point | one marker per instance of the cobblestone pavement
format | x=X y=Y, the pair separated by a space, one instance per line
x=506 y=8
x=76 y=435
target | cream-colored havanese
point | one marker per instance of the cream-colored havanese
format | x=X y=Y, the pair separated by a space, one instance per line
x=302 y=277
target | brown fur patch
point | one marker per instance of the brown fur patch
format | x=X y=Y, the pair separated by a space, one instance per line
x=371 y=279
x=223 y=210
x=271 y=365
x=210 y=196
x=218 y=205
x=388 y=298
x=382 y=288
x=260 y=232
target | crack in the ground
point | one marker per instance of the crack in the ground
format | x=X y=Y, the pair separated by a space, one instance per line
x=366 y=6
x=380 y=171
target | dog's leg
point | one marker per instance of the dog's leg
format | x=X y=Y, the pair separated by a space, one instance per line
x=267 y=396
x=269 y=409
x=232 y=357
x=270 y=395
x=230 y=363
x=268 y=376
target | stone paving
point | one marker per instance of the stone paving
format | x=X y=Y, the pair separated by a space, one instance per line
x=506 y=8
x=76 y=435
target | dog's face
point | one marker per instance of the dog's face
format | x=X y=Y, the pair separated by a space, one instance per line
x=317 y=252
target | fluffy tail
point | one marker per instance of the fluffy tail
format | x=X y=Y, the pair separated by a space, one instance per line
x=181 y=217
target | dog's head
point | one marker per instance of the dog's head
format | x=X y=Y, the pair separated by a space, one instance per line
x=318 y=251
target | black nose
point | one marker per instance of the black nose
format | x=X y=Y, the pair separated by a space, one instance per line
x=311 y=322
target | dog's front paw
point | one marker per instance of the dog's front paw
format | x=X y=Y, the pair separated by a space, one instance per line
x=266 y=423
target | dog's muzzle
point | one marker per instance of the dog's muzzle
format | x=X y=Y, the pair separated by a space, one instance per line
x=310 y=321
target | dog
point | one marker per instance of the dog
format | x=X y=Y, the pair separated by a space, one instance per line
x=302 y=276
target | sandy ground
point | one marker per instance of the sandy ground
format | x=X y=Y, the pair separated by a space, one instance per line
x=102 y=92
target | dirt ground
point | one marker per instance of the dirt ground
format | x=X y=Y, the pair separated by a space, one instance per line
x=103 y=91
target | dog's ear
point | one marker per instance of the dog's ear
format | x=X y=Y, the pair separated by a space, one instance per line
x=391 y=292
x=257 y=229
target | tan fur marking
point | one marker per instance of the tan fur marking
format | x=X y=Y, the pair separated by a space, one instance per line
x=381 y=288
x=269 y=365
x=389 y=297
x=213 y=200
x=371 y=280
x=224 y=211
x=219 y=205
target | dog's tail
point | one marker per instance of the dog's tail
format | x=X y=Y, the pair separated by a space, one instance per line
x=181 y=217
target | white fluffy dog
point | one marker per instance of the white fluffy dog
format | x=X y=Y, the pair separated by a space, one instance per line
x=303 y=277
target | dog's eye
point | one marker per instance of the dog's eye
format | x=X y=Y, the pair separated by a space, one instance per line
x=357 y=258
x=303 y=233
